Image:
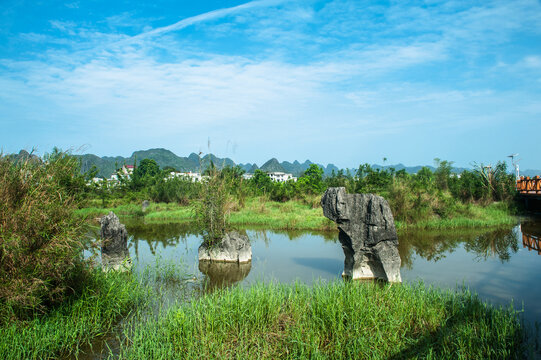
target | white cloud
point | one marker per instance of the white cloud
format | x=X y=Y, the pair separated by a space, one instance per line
x=350 y=74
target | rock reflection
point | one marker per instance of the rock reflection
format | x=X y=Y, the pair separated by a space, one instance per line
x=222 y=274
x=117 y=262
x=434 y=246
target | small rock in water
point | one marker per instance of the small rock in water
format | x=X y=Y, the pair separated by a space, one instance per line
x=367 y=234
x=114 y=243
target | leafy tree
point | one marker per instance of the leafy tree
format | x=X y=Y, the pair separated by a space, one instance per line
x=312 y=180
x=442 y=173
x=423 y=179
x=371 y=180
x=145 y=174
x=261 y=181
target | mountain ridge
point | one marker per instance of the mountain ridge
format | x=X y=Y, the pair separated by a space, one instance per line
x=107 y=165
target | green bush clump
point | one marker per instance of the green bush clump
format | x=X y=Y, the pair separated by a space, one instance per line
x=41 y=252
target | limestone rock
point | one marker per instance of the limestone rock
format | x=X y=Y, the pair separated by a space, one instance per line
x=367 y=234
x=114 y=243
x=234 y=247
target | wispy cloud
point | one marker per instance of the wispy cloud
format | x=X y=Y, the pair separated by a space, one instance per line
x=277 y=69
x=211 y=15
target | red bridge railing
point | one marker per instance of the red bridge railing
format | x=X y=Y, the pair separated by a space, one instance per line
x=528 y=186
x=531 y=242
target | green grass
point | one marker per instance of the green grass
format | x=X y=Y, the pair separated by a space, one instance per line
x=297 y=215
x=495 y=214
x=65 y=330
x=291 y=215
x=329 y=321
x=337 y=320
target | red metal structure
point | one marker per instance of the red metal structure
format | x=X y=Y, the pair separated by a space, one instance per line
x=527 y=186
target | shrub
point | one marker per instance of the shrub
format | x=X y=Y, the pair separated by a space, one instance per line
x=41 y=259
x=211 y=209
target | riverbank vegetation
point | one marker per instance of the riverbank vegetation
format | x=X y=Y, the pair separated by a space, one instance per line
x=428 y=199
x=52 y=299
x=41 y=262
x=329 y=321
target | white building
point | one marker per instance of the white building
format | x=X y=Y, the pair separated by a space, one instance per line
x=193 y=176
x=127 y=170
x=281 y=177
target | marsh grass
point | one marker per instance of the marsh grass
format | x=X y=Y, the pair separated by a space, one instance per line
x=330 y=321
x=304 y=215
x=475 y=216
x=107 y=298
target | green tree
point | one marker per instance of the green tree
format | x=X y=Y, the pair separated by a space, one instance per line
x=442 y=173
x=261 y=182
x=312 y=180
x=145 y=174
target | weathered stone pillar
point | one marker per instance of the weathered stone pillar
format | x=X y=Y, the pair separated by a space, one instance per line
x=367 y=234
x=114 y=243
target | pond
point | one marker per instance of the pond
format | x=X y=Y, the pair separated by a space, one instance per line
x=500 y=265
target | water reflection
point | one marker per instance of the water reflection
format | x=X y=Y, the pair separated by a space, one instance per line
x=492 y=262
x=501 y=243
x=531 y=236
x=223 y=274
x=157 y=235
x=434 y=246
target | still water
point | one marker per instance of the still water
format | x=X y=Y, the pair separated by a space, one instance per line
x=500 y=265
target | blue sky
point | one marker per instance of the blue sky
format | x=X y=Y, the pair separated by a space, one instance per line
x=343 y=82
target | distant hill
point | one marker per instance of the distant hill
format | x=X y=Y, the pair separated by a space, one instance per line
x=107 y=165
x=414 y=169
x=23 y=156
x=272 y=166
x=163 y=157
x=530 y=173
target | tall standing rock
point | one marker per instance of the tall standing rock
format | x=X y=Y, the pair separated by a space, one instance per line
x=367 y=234
x=114 y=242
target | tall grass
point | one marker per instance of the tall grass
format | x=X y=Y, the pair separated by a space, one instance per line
x=41 y=261
x=329 y=321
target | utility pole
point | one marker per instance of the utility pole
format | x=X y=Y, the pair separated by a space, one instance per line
x=515 y=165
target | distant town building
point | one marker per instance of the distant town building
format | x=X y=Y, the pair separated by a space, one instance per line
x=281 y=177
x=274 y=176
x=193 y=176
x=127 y=170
